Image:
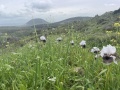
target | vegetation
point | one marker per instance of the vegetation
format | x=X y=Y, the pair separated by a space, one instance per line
x=28 y=64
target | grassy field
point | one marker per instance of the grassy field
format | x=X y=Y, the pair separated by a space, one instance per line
x=26 y=63
x=60 y=65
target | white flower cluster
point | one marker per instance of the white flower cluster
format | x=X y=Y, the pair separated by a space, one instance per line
x=107 y=53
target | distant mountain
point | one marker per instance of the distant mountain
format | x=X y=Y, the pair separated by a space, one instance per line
x=74 y=19
x=66 y=21
x=36 y=21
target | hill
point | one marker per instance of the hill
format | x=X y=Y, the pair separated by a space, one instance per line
x=36 y=21
x=74 y=19
x=99 y=23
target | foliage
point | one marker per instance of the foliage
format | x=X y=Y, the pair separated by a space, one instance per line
x=28 y=64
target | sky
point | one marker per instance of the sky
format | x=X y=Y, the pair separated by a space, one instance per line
x=18 y=12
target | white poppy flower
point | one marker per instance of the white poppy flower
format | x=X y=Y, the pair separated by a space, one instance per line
x=83 y=43
x=95 y=50
x=72 y=42
x=109 y=50
x=59 y=39
x=42 y=38
x=108 y=54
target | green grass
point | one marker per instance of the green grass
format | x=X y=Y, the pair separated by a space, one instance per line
x=31 y=66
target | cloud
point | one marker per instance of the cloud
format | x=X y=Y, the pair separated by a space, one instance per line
x=21 y=10
x=2 y=7
x=110 y=4
x=41 y=5
x=9 y=12
x=6 y=15
x=25 y=9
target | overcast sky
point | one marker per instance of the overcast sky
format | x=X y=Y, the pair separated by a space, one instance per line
x=18 y=12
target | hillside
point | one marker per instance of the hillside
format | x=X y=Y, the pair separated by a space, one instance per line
x=63 y=22
x=36 y=21
x=99 y=23
x=74 y=19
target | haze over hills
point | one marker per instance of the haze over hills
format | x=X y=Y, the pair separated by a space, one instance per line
x=71 y=20
x=63 y=22
x=74 y=19
x=106 y=18
x=36 y=21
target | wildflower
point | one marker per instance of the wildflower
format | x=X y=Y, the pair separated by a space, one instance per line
x=72 y=42
x=42 y=38
x=113 y=40
x=118 y=33
x=52 y=79
x=108 y=54
x=83 y=43
x=95 y=50
x=59 y=39
x=108 y=32
x=116 y=24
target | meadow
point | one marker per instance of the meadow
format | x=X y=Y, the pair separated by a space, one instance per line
x=59 y=65
x=27 y=63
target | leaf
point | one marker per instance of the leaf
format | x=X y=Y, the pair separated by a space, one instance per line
x=103 y=71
